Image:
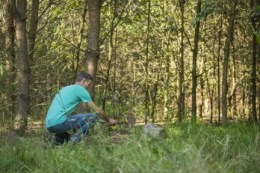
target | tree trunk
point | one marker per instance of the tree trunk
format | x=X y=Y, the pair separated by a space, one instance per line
x=106 y=83
x=218 y=71
x=93 y=53
x=147 y=110
x=77 y=56
x=167 y=90
x=233 y=94
x=230 y=31
x=201 y=105
x=10 y=48
x=33 y=29
x=194 y=64
x=181 y=73
x=154 y=98
x=211 y=95
x=22 y=67
x=32 y=34
x=253 y=115
x=258 y=62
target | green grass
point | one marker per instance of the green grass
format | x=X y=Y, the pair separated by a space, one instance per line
x=187 y=148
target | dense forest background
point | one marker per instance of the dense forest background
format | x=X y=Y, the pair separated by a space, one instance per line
x=162 y=60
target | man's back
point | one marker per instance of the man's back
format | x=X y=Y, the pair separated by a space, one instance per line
x=65 y=102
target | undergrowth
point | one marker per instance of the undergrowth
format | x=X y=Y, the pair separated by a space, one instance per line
x=187 y=148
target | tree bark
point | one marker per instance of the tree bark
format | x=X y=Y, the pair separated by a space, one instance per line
x=77 y=56
x=194 y=64
x=230 y=31
x=253 y=115
x=218 y=71
x=181 y=73
x=93 y=52
x=154 y=98
x=146 y=101
x=20 y=123
x=233 y=94
x=33 y=29
x=32 y=35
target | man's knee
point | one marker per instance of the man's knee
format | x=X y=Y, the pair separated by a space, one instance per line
x=92 y=120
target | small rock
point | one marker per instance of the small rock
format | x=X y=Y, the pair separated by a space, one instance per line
x=154 y=131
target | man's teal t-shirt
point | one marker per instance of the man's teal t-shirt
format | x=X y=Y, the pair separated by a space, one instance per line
x=65 y=102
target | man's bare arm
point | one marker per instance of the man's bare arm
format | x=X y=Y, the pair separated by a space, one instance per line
x=102 y=113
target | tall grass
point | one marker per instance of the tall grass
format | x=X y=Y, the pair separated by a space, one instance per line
x=187 y=148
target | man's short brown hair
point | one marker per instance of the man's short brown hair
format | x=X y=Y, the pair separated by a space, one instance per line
x=83 y=75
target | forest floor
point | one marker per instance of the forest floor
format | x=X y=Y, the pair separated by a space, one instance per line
x=187 y=147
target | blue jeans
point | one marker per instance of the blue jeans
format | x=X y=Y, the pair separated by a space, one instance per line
x=79 y=122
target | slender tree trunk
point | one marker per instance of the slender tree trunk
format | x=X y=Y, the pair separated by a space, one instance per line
x=10 y=47
x=194 y=64
x=218 y=71
x=210 y=94
x=181 y=107
x=133 y=87
x=166 y=105
x=147 y=110
x=243 y=98
x=253 y=115
x=77 y=56
x=33 y=29
x=93 y=52
x=22 y=67
x=201 y=107
x=229 y=38
x=258 y=62
x=167 y=90
x=154 y=100
x=111 y=54
x=233 y=95
x=32 y=36
x=212 y=88
x=106 y=89
x=114 y=58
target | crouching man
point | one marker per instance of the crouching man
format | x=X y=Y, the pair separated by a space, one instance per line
x=59 y=117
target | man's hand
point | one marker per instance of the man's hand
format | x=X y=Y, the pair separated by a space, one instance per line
x=112 y=122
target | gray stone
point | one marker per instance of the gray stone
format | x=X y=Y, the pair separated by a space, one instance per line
x=154 y=131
